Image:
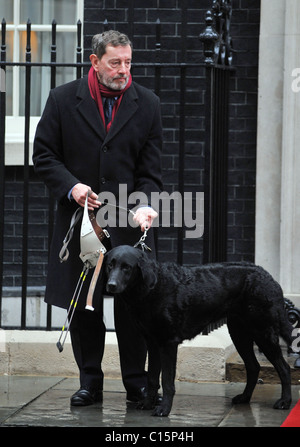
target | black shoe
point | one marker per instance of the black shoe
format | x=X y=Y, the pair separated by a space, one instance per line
x=140 y=395
x=137 y=395
x=83 y=397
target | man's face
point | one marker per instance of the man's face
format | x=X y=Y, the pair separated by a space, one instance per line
x=113 y=69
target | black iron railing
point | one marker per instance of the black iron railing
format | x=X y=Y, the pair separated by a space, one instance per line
x=217 y=66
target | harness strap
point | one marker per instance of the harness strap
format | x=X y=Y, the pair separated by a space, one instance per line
x=100 y=232
x=89 y=299
x=64 y=252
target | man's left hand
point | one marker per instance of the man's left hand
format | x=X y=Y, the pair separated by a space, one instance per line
x=144 y=217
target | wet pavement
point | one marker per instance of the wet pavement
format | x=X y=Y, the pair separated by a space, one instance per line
x=28 y=401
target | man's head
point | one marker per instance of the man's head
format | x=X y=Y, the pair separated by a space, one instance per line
x=111 y=58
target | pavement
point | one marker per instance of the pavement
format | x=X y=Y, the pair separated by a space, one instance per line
x=39 y=401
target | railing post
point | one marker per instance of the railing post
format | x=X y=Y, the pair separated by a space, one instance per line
x=217 y=50
x=53 y=54
x=26 y=176
x=79 y=50
x=157 y=57
x=182 y=126
x=209 y=38
x=2 y=154
x=51 y=199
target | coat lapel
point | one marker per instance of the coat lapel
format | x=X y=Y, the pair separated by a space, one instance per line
x=88 y=109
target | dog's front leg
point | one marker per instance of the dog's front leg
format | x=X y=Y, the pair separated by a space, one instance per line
x=154 y=369
x=168 y=356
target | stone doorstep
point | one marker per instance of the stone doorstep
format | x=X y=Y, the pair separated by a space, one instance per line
x=35 y=353
x=235 y=368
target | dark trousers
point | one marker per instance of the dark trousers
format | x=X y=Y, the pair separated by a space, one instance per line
x=88 y=342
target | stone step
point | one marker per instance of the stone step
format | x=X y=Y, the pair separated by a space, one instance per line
x=35 y=353
x=235 y=369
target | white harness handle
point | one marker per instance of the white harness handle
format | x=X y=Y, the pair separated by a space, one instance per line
x=90 y=244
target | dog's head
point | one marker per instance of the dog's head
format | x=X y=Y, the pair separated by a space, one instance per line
x=126 y=267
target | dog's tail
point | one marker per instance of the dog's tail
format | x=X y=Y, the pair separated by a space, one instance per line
x=286 y=327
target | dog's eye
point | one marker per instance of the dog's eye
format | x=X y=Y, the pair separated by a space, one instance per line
x=126 y=267
x=110 y=266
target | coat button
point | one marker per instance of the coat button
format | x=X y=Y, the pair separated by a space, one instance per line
x=103 y=180
x=105 y=149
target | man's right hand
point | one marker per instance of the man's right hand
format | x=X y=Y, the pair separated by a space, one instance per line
x=79 y=193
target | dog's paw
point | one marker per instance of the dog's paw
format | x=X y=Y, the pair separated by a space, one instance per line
x=161 y=410
x=241 y=399
x=282 y=404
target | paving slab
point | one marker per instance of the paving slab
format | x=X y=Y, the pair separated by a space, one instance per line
x=27 y=401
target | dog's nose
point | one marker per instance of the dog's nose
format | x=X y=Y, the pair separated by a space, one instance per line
x=111 y=286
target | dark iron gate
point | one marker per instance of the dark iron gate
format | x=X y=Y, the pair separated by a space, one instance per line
x=217 y=65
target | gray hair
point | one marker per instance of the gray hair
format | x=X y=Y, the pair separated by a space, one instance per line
x=111 y=37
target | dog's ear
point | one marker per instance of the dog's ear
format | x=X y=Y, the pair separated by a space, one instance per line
x=148 y=272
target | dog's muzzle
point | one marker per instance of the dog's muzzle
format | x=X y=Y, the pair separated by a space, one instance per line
x=111 y=287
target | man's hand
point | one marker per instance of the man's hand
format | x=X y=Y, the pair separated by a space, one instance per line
x=145 y=216
x=79 y=193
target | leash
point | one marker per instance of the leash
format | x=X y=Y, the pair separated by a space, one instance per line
x=141 y=242
x=118 y=206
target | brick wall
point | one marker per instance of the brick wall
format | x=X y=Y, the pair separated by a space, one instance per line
x=243 y=123
x=243 y=103
x=37 y=254
x=242 y=144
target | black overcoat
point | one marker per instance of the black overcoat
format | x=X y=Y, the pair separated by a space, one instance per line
x=71 y=146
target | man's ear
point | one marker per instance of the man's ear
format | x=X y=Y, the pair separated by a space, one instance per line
x=148 y=272
x=94 y=61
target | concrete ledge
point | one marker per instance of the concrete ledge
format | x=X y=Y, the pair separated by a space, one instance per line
x=204 y=358
x=35 y=353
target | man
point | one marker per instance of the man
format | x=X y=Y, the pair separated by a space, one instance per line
x=78 y=148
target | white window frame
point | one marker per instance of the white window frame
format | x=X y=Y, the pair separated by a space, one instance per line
x=14 y=124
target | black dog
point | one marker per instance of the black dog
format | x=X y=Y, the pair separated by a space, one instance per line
x=172 y=303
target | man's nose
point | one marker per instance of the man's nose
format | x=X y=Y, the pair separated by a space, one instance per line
x=123 y=68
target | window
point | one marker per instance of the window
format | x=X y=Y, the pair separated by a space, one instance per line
x=41 y=13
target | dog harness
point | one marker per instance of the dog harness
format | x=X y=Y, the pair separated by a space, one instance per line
x=92 y=253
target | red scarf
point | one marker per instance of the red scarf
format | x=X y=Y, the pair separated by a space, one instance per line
x=98 y=90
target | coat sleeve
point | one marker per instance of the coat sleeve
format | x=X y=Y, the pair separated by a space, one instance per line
x=149 y=170
x=48 y=152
